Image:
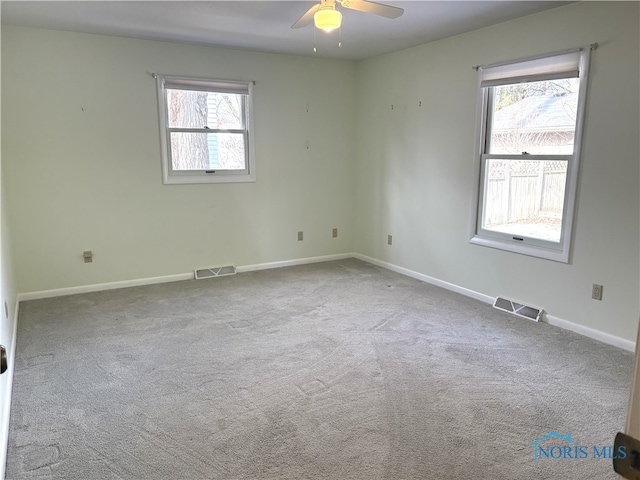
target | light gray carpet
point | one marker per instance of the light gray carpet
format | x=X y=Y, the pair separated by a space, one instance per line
x=339 y=370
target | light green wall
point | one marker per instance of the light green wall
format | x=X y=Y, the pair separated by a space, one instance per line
x=81 y=160
x=414 y=165
x=81 y=154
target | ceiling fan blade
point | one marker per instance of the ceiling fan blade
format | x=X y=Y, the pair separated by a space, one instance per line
x=372 y=7
x=307 y=18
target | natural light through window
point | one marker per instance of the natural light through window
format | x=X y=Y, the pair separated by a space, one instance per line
x=206 y=130
x=525 y=198
x=528 y=160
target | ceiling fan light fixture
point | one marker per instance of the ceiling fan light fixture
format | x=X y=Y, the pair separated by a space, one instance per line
x=327 y=19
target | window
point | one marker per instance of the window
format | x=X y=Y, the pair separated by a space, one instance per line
x=530 y=122
x=206 y=130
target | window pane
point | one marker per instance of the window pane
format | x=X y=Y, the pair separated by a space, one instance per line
x=207 y=151
x=198 y=109
x=525 y=198
x=535 y=117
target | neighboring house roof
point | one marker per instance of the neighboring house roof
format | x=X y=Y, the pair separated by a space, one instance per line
x=538 y=114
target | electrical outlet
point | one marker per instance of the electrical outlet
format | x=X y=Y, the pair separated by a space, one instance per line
x=334 y=232
x=596 y=292
x=87 y=255
x=389 y=239
x=300 y=235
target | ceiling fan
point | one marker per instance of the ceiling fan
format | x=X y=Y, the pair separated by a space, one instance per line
x=325 y=16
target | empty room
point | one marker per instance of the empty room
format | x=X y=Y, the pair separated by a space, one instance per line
x=320 y=240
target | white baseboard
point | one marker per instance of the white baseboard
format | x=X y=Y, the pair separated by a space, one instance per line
x=550 y=319
x=6 y=400
x=427 y=279
x=291 y=263
x=98 y=287
x=591 y=333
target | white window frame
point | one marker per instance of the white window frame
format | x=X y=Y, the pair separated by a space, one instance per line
x=544 y=67
x=171 y=176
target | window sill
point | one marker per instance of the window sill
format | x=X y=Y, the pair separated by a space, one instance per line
x=212 y=178
x=523 y=249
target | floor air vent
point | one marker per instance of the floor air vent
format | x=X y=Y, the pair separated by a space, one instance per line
x=201 y=273
x=525 y=311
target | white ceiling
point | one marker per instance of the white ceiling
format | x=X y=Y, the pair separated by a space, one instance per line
x=266 y=25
